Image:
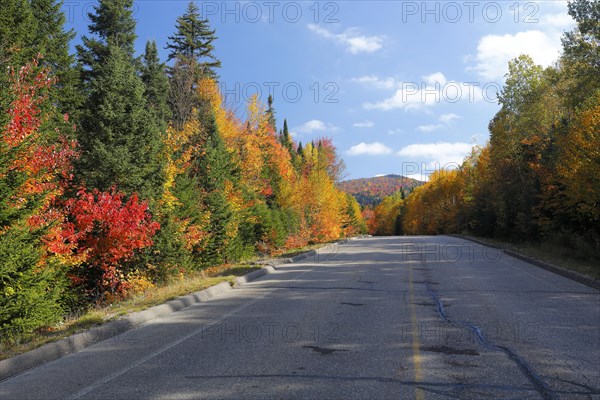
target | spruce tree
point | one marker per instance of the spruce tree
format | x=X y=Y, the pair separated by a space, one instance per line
x=271 y=113
x=120 y=140
x=183 y=86
x=17 y=32
x=112 y=24
x=52 y=42
x=156 y=85
x=212 y=167
x=193 y=39
x=29 y=28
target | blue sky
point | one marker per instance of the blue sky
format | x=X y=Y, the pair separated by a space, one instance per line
x=401 y=87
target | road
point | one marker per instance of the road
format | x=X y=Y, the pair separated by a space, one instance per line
x=390 y=317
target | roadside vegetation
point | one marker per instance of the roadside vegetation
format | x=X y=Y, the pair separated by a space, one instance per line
x=125 y=180
x=536 y=183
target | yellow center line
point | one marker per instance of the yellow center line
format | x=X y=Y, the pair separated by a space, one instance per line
x=419 y=395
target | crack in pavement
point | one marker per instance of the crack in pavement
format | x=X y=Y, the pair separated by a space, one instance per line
x=426 y=386
x=322 y=350
x=538 y=383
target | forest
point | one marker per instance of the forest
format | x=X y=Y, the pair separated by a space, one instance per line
x=120 y=171
x=370 y=191
x=538 y=177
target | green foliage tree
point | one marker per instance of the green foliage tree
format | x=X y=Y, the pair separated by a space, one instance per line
x=29 y=28
x=17 y=34
x=581 y=51
x=156 y=85
x=212 y=168
x=193 y=39
x=120 y=140
x=32 y=283
x=121 y=144
x=52 y=42
x=112 y=25
x=271 y=113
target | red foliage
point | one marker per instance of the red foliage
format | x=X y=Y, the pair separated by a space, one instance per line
x=104 y=231
x=44 y=156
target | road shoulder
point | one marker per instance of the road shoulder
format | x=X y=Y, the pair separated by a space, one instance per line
x=573 y=275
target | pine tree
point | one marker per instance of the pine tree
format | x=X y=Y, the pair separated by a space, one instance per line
x=194 y=39
x=156 y=85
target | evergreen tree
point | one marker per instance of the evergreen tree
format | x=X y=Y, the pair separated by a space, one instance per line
x=52 y=41
x=156 y=85
x=271 y=114
x=121 y=144
x=194 y=39
x=17 y=33
x=32 y=284
x=286 y=140
x=120 y=140
x=212 y=168
x=182 y=91
x=113 y=25
x=29 y=28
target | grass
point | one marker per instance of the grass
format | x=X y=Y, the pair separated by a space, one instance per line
x=552 y=252
x=149 y=298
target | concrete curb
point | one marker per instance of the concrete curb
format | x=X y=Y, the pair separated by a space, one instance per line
x=575 y=276
x=240 y=280
x=316 y=253
x=71 y=344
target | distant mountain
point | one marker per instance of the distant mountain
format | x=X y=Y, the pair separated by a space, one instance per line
x=370 y=191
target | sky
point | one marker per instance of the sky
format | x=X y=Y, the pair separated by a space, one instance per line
x=401 y=87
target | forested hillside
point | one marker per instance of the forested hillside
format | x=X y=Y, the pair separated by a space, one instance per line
x=118 y=171
x=538 y=177
x=370 y=191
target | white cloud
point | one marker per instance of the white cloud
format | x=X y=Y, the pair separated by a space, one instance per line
x=437 y=155
x=430 y=128
x=364 y=124
x=448 y=118
x=374 y=148
x=312 y=126
x=377 y=82
x=395 y=131
x=495 y=51
x=559 y=21
x=355 y=42
x=378 y=175
x=434 y=78
x=413 y=95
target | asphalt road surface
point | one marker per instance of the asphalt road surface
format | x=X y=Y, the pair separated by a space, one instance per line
x=392 y=317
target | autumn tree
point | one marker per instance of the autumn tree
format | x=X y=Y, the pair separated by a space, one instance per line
x=35 y=163
x=581 y=52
